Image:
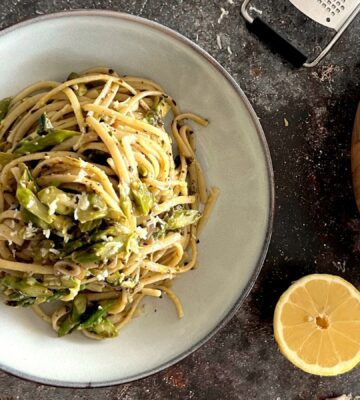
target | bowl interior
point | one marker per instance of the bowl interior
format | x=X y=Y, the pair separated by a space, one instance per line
x=233 y=156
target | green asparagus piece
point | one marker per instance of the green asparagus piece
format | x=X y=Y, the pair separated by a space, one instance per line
x=93 y=208
x=125 y=202
x=90 y=225
x=72 y=246
x=58 y=294
x=105 y=328
x=26 y=180
x=116 y=278
x=5 y=158
x=61 y=202
x=144 y=199
x=79 y=306
x=162 y=108
x=44 y=124
x=29 y=287
x=39 y=143
x=97 y=315
x=31 y=203
x=131 y=245
x=73 y=318
x=80 y=89
x=4 y=107
x=181 y=218
x=98 y=252
x=67 y=326
x=62 y=225
x=27 y=216
x=116 y=230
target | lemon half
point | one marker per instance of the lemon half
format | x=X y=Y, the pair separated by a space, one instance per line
x=317 y=324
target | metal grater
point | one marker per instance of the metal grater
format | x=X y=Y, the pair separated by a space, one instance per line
x=334 y=14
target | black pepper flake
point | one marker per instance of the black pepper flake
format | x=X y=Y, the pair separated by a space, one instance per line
x=191 y=132
x=198 y=241
x=186 y=263
x=174 y=102
x=177 y=161
x=111 y=71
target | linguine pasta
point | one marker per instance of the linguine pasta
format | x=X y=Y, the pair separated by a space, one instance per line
x=98 y=208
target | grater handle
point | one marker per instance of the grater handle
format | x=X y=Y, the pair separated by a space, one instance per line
x=276 y=42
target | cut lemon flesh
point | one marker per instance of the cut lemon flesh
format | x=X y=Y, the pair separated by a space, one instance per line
x=317 y=324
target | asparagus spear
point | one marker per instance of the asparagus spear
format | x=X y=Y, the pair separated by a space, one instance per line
x=90 y=225
x=29 y=287
x=97 y=315
x=181 y=218
x=44 y=124
x=26 y=179
x=144 y=199
x=98 y=252
x=105 y=328
x=57 y=200
x=73 y=318
x=90 y=207
x=4 y=107
x=31 y=203
x=39 y=143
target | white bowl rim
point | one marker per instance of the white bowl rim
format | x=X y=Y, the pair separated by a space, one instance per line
x=270 y=177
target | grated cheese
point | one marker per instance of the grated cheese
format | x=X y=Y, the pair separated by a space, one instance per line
x=81 y=175
x=84 y=202
x=46 y=233
x=52 y=207
x=229 y=50
x=30 y=231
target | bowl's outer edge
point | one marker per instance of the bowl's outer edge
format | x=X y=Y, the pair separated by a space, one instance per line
x=271 y=196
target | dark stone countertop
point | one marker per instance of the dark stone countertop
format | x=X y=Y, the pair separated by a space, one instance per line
x=317 y=227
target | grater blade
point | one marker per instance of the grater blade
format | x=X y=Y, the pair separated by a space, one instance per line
x=330 y=13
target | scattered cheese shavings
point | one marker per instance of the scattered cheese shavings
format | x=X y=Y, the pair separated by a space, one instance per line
x=103 y=275
x=13 y=252
x=46 y=233
x=83 y=202
x=46 y=157
x=229 y=50
x=52 y=207
x=30 y=203
x=218 y=41
x=342 y=397
x=30 y=231
x=286 y=122
x=142 y=232
x=10 y=242
x=230 y=1
x=81 y=175
x=83 y=163
x=223 y=14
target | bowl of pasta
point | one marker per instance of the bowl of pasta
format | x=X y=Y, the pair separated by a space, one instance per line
x=136 y=198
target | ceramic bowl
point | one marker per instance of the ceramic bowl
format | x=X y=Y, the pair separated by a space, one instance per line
x=234 y=155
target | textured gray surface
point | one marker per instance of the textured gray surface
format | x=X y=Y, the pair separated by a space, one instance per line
x=316 y=228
